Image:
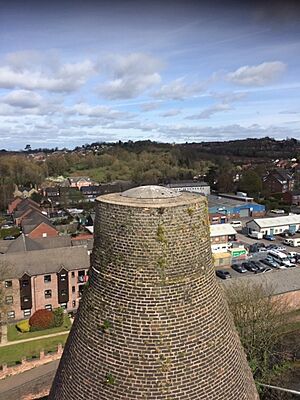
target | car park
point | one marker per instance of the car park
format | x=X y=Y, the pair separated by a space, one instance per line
x=223 y=274
x=238 y=268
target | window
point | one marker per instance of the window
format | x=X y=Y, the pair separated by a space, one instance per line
x=73 y=274
x=47 y=278
x=25 y=299
x=73 y=289
x=63 y=305
x=44 y=234
x=63 y=277
x=11 y=314
x=25 y=283
x=81 y=276
x=8 y=284
x=63 y=292
x=9 y=300
x=48 y=307
x=74 y=303
x=48 y=294
x=27 y=313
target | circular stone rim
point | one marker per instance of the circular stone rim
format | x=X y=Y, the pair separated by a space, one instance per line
x=150 y=192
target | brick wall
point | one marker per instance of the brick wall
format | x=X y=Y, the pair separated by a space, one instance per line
x=153 y=323
x=29 y=364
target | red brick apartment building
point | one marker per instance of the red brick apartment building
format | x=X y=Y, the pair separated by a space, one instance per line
x=47 y=278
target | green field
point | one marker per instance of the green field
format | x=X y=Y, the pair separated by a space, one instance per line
x=12 y=355
x=13 y=334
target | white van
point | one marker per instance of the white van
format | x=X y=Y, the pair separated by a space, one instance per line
x=292 y=242
x=255 y=235
x=236 y=224
x=281 y=258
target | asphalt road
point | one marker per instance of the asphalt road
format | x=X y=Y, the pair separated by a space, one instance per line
x=32 y=381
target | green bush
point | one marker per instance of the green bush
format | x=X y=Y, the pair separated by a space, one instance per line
x=58 y=316
x=23 y=326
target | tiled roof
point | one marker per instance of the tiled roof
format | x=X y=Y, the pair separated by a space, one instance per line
x=41 y=262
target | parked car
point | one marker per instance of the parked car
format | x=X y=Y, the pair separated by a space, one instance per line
x=9 y=237
x=271 y=246
x=249 y=266
x=269 y=237
x=270 y=262
x=267 y=269
x=239 y=268
x=236 y=224
x=223 y=274
x=287 y=233
x=257 y=247
x=277 y=211
x=280 y=248
x=257 y=265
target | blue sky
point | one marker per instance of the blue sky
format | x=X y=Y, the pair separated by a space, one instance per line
x=75 y=72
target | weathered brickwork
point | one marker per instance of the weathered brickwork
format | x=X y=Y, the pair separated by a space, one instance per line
x=153 y=323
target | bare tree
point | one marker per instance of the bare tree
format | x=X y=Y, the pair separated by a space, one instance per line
x=259 y=317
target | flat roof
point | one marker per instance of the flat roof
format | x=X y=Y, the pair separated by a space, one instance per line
x=237 y=197
x=187 y=184
x=221 y=230
x=218 y=201
x=277 y=221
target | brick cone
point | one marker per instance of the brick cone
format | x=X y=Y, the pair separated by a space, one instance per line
x=153 y=323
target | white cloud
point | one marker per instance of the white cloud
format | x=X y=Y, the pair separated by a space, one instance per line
x=179 y=90
x=150 y=106
x=98 y=112
x=208 y=112
x=171 y=113
x=131 y=75
x=22 y=99
x=257 y=75
x=36 y=74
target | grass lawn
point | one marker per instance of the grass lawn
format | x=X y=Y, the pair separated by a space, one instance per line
x=13 y=334
x=11 y=355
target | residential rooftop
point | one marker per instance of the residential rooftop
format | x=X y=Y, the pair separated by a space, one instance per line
x=44 y=261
